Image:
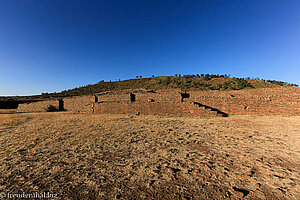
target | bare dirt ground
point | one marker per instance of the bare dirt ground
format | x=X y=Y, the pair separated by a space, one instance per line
x=80 y=156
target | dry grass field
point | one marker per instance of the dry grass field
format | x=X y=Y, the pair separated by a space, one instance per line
x=80 y=156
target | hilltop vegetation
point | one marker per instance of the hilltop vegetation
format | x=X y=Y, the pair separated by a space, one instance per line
x=192 y=82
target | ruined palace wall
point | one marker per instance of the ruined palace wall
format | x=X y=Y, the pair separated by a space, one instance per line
x=159 y=96
x=40 y=106
x=267 y=101
x=162 y=108
x=114 y=98
x=79 y=103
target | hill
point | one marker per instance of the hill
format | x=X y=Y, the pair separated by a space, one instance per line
x=186 y=82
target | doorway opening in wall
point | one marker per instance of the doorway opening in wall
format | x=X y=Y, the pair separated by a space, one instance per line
x=61 y=105
x=132 y=97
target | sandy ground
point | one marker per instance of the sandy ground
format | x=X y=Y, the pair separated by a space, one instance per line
x=78 y=156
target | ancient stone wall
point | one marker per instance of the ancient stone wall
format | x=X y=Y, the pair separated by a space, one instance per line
x=79 y=103
x=153 y=108
x=40 y=106
x=158 y=96
x=170 y=96
x=141 y=97
x=268 y=101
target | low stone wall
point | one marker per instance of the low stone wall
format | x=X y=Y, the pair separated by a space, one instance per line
x=40 y=106
x=79 y=103
x=171 y=95
x=269 y=101
x=161 y=108
x=159 y=97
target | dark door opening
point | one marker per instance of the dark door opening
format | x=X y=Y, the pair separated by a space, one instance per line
x=96 y=98
x=132 y=97
x=61 y=105
x=184 y=95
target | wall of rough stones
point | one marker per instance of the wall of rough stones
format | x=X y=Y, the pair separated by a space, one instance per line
x=76 y=104
x=171 y=96
x=141 y=96
x=268 y=101
x=167 y=95
x=79 y=103
x=40 y=106
x=153 y=108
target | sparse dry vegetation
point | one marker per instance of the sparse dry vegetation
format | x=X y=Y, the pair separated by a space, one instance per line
x=80 y=156
x=193 y=82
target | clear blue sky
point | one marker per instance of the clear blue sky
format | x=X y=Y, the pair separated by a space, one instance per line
x=53 y=45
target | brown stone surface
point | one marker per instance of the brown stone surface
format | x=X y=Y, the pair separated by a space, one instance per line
x=40 y=106
x=268 y=101
x=152 y=108
x=79 y=104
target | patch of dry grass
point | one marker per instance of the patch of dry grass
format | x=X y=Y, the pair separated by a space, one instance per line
x=10 y=120
x=82 y=156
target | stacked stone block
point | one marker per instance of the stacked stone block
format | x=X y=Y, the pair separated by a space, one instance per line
x=79 y=103
x=40 y=106
x=268 y=101
x=151 y=108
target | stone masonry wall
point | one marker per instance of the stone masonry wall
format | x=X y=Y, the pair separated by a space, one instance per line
x=79 y=103
x=267 y=101
x=40 y=106
x=159 y=96
x=76 y=104
x=162 y=108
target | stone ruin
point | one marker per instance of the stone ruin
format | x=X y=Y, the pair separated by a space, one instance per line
x=172 y=102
